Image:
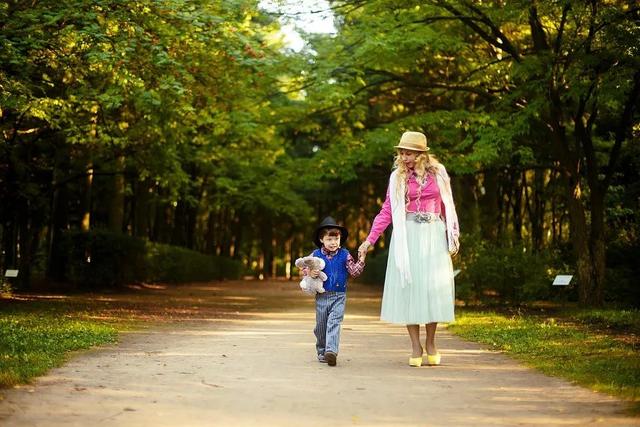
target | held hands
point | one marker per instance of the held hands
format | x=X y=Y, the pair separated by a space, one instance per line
x=362 y=250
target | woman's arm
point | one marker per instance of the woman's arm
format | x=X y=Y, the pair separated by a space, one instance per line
x=380 y=223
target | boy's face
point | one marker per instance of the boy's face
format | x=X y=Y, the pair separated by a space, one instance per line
x=331 y=243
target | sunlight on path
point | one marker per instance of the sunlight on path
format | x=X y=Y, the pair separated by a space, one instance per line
x=259 y=368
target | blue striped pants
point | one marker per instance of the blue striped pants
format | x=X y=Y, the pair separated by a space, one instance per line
x=329 y=315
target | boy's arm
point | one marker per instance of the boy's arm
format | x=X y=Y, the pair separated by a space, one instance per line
x=354 y=268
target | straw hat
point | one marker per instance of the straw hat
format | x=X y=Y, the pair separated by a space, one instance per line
x=415 y=141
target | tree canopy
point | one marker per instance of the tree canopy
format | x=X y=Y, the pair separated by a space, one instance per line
x=191 y=123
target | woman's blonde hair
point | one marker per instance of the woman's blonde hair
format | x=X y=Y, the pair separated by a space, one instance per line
x=426 y=164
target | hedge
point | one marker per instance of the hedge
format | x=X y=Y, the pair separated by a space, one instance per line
x=101 y=258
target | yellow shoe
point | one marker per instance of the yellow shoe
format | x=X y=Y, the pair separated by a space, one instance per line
x=415 y=361
x=433 y=359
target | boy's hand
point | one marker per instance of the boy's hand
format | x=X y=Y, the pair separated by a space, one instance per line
x=314 y=273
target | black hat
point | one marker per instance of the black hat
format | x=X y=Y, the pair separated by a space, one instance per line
x=329 y=222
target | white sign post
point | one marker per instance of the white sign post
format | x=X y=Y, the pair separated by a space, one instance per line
x=11 y=273
x=562 y=280
x=5 y=285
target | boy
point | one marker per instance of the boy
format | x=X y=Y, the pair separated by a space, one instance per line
x=339 y=265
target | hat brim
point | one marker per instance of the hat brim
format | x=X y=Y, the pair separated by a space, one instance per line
x=343 y=234
x=412 y=148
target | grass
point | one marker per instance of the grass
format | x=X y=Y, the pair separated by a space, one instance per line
x=31 y=343
x=623 y=320
x=37 y=335
x=575 y=345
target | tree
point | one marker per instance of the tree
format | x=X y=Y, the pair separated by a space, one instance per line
x=521 y=84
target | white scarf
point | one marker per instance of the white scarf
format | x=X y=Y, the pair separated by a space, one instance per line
x=399 y=219
x=451 y=217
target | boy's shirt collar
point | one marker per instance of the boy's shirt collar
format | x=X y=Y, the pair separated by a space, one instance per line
x=325 y=251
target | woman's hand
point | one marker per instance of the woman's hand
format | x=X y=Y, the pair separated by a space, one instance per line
x=362 y=250
x=456 y=248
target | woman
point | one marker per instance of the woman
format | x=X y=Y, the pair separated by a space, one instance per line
x=418 y=286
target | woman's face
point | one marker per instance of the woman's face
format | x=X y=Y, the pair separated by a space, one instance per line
x=408 y=157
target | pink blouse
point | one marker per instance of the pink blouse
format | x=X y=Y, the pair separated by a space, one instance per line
x=430 y=201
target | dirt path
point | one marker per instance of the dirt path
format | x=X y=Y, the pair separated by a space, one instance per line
x=248 y=359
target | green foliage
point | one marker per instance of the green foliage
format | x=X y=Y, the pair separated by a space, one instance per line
x=494 y=88
x=180 y=99
x=32 y=343
x=558 y=348
x=104 y=259
x=514 y=275
x=165 y=263
x=222 y=125
x=622 y=273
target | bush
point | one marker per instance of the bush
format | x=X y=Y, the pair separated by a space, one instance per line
x=102 y=258
x=507 y=274
x=166 y=263
x=623 y=271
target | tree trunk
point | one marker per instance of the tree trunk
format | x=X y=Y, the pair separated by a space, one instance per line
x=466 y=197
x=598 y=247
x=178 y=236
x=489 y=218
x=116 y=206
x=580 y=241
x=267 y=247
x=238 y=231
x=59 y=220
x=517 y=187
x=191 y=213
x=537 y=209
x=85 y=225
x=209 y=242
x=224 y=235
x=25 y=240
x=9 y=245
x=141 y=211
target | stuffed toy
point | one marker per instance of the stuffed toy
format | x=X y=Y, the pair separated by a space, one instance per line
x=308 y=284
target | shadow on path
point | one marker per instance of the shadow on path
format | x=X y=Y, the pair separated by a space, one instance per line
x=243 y=354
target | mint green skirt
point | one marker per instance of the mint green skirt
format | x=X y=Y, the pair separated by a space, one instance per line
x=430 y=297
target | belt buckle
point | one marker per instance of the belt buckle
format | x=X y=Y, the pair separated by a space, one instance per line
x=425 y=217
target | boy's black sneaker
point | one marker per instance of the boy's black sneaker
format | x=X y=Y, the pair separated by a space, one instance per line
x=330 y=357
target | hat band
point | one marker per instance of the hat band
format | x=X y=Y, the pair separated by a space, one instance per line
x=411 y=146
